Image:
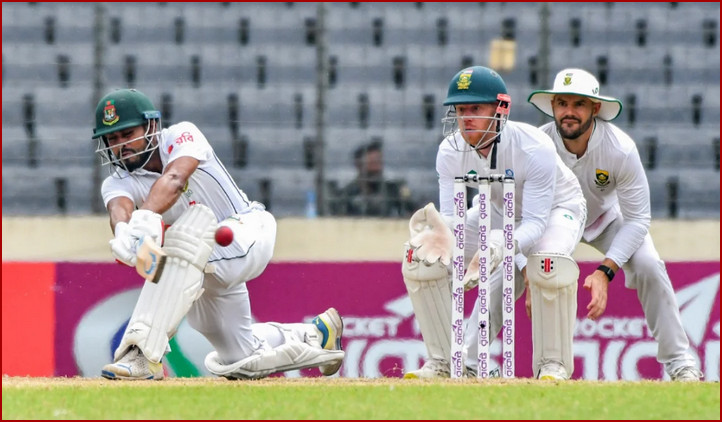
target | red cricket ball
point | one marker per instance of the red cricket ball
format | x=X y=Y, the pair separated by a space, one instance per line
x=224 y=235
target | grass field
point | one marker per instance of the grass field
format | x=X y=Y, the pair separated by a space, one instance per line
x=315 y=398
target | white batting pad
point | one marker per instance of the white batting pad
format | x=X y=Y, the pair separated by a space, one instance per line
x=297 y=352
x=162 y=306
x=429 y=288
x=553 y=285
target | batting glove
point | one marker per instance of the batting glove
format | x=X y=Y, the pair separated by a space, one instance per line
x=146 y=223
x=124 y=245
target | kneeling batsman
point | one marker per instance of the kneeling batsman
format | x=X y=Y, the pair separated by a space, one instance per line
x=174 y=275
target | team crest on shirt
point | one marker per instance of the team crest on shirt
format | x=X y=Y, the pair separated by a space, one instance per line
x=601 y=178
x=464 y=79
x=110 y=116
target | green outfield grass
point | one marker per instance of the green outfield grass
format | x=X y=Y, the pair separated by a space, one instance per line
x=280 y=398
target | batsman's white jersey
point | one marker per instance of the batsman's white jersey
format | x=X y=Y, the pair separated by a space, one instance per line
x=210 y=184
x=617 y=192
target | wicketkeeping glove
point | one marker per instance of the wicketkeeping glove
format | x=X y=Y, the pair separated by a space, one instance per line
x=471 y=278
x=430 y=236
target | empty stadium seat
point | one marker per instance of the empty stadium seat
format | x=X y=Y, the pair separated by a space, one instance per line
x=388 y=69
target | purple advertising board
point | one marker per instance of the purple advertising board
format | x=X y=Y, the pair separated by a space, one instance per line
x=381 y=338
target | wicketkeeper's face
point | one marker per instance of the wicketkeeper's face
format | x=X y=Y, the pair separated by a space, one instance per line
x=477 y=122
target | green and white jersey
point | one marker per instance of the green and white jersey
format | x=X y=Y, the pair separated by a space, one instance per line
x=210 y=184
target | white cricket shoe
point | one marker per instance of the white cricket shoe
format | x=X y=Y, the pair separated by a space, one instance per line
x=330 y=325
x=439 y=368
x=686 y=374
x=133 y=366
x=316 y=345
x=432 y=368
x=552 y=370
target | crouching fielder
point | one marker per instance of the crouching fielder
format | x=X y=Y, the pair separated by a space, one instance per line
x=550 y=214
x=173 y=176
x=552 y=280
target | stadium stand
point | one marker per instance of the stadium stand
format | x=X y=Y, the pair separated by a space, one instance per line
x=247 y=75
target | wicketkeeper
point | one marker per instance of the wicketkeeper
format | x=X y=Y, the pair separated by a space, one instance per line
x=550 y=213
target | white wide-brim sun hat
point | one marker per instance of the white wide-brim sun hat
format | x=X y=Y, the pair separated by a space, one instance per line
x=576 y=82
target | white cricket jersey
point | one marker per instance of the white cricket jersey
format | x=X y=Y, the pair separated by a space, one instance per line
x=210 y=184
x=543 y=182
x=613 y=181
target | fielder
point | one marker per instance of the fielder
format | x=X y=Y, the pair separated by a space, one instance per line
x=607 y=164
x=550 y=217
x=172 y=176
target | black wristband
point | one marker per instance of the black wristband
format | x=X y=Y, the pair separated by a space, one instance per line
x=607 y=271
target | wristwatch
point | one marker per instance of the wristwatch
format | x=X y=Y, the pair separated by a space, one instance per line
x=607 y=271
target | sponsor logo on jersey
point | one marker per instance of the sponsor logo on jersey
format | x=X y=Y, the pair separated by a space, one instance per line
x=184 y=137
x=602 y=178
x=110 y=116
x=464 y=79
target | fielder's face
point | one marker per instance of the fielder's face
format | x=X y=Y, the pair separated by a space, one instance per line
x=573 y=114
x=477 y=123
x=128 y=146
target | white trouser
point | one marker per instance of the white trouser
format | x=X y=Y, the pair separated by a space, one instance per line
x=646 y=273
x=561 y=236
x=223 y=313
